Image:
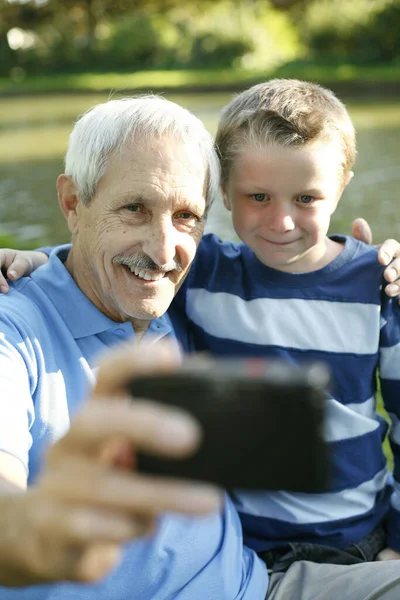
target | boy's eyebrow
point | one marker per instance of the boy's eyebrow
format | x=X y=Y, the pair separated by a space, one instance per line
x=312 y=192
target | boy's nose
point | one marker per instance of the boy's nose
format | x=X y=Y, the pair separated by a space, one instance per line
x=280 y=220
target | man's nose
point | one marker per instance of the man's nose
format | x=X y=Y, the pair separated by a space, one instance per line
x=161 y=242
x=280 y=218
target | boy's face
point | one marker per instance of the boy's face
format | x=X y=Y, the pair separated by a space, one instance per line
x=282 y=200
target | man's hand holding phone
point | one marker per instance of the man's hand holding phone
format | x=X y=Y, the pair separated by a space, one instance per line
x=72 y=524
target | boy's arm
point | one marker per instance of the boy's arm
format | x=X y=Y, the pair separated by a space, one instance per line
x=24 y=262
x=18 y=263
x=389 y=373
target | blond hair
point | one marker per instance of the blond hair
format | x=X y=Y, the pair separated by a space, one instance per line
x=287 y=112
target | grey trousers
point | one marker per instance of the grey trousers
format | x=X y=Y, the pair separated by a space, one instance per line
x=306 y=580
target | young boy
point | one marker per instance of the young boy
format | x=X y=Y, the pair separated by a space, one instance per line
x=289 y=291
x=287 y=149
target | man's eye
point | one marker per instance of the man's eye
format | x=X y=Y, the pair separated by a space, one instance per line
x=306 y=199
x=258 y=197
x=132 y=207
x=186 y=216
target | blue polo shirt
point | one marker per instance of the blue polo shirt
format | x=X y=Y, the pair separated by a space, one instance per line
x=50 y=337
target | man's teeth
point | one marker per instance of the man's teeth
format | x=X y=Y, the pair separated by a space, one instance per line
x=148 y=275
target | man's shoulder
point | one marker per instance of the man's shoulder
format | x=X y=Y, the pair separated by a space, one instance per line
x=22 y=303
x=29 y=321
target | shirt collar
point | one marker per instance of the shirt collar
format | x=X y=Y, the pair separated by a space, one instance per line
x=80 y=315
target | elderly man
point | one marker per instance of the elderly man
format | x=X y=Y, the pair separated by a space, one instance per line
x=140 y=176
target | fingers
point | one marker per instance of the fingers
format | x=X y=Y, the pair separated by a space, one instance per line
x=362 y=231
x=388 y=554
x=4 y=287
x=6 y=259
x=19 y=267
x=138 y=495
x=14 y=264
x=120 y=366
x=68 y=542
x=147 y=425
x=389 y=254
x=97 y=561
x=78 y=517
x=389 y=250
x=80 y=525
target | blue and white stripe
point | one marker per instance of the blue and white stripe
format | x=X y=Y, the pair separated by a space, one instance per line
x=339 y=314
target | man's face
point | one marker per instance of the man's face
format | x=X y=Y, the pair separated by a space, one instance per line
x=282 y=199
x=135 y=241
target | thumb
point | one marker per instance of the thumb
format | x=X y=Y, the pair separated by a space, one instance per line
x=362 y=231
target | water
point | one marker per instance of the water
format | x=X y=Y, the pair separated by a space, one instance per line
x=33 y=138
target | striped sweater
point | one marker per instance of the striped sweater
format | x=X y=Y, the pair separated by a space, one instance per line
x=236 y=306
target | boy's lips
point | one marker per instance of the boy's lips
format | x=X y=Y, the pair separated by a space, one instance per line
x=280 y=243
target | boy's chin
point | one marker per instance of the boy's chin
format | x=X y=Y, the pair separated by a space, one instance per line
x=289 y=265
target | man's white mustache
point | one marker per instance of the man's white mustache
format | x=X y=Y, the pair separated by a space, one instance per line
x=142 y=261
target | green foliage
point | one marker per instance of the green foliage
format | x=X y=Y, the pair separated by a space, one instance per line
x=12 y=241
x=139 y=41
x=78 y=35
x=361 y=31
x=120 y=35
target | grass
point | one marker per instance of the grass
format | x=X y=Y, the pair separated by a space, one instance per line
x=197 y=79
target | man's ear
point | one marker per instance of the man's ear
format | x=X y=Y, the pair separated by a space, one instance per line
x=69 y=201
x=225 y=197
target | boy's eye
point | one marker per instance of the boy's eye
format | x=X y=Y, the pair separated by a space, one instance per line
x=258 y=197
x=306 y=199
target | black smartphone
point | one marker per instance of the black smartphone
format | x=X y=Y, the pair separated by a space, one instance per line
x=262 y=422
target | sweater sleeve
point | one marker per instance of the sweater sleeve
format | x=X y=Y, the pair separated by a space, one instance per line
x=389 y=370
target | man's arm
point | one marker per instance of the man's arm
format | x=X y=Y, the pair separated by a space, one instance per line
x=88 y=501
x=18 y=263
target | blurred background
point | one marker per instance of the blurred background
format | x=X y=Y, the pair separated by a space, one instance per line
x=59 y=57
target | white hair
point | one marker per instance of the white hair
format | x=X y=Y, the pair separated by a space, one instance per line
x=105 y=129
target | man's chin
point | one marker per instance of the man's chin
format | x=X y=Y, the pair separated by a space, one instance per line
x=148 y=311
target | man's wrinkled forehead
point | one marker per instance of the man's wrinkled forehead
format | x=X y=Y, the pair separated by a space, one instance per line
x=159 y=166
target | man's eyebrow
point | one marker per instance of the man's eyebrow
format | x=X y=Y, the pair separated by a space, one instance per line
x=131 y=198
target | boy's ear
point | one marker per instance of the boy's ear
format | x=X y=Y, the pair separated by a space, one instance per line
x=349 y=177
x=225 y=197
x=69 y=201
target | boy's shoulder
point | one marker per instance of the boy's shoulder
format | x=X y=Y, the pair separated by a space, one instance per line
x=214 y=247
x=218 y=261
x=215 y=254
x=358 y=254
